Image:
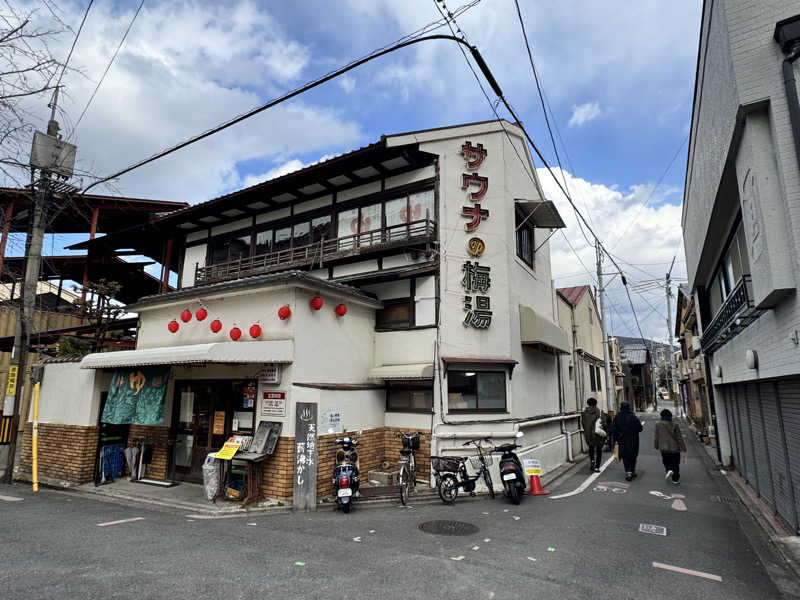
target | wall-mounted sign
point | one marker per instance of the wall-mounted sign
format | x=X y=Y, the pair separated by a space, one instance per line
x=273 y=404
x=476 y=280
x=11 y=386
x=270 y=374
x=249 y=395
x=219 y=422
x=476 y=246
x=331 y=420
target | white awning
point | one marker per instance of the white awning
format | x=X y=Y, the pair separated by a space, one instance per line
x=414 y=371
x=537 y=330
x=269 y=351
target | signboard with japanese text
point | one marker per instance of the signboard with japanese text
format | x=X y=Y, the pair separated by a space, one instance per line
x=331 y=421
x=305 y=456
x=476 y=280
x=533 y=466
x=270 y=374
x=227 y=451
x=273 y=404
x=219 y=422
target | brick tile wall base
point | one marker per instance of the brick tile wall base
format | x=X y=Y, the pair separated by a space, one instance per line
x=66 y=452
x=375 y=446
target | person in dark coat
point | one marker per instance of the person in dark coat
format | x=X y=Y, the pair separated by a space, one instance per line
x=669 y=440
x=626 y=432
x=595 y=442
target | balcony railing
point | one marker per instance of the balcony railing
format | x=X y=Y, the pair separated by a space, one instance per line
x=736 y=313
x=395 y=236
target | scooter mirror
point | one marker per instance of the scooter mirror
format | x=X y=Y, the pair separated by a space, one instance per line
x=519 y=434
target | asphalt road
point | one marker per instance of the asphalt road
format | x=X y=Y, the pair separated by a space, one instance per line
x=583 y=546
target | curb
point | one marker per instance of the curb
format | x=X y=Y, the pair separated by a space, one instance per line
x=751 y=509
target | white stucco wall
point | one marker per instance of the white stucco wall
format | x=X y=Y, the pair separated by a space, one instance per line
x=70 y=395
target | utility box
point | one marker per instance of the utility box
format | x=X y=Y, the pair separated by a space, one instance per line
x=52 y=154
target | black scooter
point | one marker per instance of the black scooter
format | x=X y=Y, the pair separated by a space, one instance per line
x=511 y=473
x=345 y=474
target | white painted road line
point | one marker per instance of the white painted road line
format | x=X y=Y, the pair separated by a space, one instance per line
x=120 y=522
x=659 y=565
x=585 y=484
x=11 y=499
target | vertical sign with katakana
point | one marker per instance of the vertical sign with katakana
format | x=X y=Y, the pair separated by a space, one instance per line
x=305 y=456
x=476 y=279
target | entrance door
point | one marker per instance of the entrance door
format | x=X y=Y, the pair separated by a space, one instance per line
x=204 y=416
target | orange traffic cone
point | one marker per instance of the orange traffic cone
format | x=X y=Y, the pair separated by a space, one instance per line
x=536 y=487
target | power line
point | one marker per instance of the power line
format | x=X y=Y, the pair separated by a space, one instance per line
x=111 y=62
x=544 y=109
x=650 y=195
x=74 y=41
x=297 y=91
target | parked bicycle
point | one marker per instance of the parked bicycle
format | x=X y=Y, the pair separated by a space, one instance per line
x=451 y=472
x=407 y=477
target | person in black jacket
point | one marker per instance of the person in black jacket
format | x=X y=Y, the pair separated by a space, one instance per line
x=626 y=432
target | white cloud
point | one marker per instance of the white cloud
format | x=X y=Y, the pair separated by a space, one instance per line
x=644 y=250
x=289 y=166
x=348 y=83
x=584 y=113
x=186 y=67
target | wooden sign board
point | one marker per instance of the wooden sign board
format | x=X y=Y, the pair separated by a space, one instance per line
x=219 y=422
x=305 y=456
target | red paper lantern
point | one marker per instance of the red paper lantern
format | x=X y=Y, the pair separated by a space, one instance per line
x=316 y=303
x=216 y=325
x=201 y=314
x=235 y=333
x=284 y=312
x=186 y=316
x=341 y=309
x=255 y=331
x=173 y=326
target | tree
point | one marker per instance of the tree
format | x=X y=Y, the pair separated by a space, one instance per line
x=99 y=309
x=28 y=74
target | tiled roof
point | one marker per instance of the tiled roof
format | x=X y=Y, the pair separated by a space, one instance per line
x=573 y=294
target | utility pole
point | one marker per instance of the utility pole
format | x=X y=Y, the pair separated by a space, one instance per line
x=611 y=387
x=33 y=259
x=672 y=365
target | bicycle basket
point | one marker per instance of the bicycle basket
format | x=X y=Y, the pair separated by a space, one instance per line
x=476 y=461
x=445 y=464
x=412 y=443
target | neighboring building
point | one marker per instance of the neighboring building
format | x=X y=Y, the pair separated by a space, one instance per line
x=403 y=286
x=617 y=372
x=584 y=370
x=638 y=373
x=691 y=363
x=741 y=228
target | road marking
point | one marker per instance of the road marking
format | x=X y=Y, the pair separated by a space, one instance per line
x=678 y=504
x=585 y=484
x=457 y=557
x=654 y=529
x=661 y=495
x=659 y=565
x=11 y=499
x=120 y=522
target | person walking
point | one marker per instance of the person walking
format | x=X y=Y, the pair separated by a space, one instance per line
x=626 y=432
x=669 y=440
x=594 y=440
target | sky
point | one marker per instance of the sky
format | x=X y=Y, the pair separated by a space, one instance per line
x=617 y=76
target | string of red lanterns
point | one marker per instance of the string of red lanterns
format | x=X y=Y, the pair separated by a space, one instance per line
x=284 y=312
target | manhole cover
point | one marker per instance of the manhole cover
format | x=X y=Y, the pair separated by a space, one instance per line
x=448 y=527
x=722 y=499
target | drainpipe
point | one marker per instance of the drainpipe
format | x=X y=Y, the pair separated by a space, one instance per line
x=792 y=54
